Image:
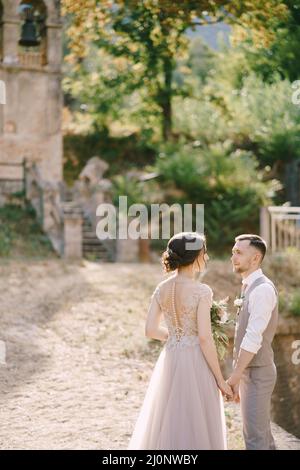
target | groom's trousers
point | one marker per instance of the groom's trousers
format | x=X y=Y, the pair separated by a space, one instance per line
x=256 y=387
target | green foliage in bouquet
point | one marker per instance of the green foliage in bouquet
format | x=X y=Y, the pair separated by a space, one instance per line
x=219 y=324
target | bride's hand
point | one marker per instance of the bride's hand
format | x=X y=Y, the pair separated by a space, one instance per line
x=226 y=390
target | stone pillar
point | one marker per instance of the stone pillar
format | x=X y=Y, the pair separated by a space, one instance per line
x=72 y=233
x=127 y=250
x=30 y=122
x=11 y=32
x=54 y=41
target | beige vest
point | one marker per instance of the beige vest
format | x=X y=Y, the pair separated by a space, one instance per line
x=265 y=355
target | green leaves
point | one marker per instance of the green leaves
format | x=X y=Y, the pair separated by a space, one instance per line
x=219 y=328
x=152 y=35
x=225 y=181
x=20 y=234
x=294 y=306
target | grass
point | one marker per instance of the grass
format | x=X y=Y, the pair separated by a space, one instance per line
x=20 y=233
x=294 y=306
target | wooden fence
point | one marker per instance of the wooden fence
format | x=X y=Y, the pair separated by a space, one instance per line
x=280 y=227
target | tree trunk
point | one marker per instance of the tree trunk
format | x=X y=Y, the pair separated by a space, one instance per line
x=166 y=99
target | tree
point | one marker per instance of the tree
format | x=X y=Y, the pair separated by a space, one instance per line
x=151 y=35
x=282 y=56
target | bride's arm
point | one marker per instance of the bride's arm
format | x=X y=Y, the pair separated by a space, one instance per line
x=152 y=326
x=207 y=343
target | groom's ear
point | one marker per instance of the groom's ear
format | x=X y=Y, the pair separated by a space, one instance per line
x=258 y=256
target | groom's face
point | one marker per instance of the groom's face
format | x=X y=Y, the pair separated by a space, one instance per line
x=243 y=256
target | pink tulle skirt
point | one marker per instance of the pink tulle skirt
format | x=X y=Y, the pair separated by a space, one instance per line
x=183 y=407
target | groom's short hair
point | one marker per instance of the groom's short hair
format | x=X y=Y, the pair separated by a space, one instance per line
x=256 y=241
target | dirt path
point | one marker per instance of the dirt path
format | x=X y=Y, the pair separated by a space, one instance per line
x=77 y=360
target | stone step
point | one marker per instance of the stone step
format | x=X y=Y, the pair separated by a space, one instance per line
x=96 y=255
x=96 y=258
x=89 y=234
x=103 y=256
x=94 y=248
x=91 y=245
x=94 y=242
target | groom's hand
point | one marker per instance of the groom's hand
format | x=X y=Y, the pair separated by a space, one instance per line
x=234 y=383
x=225 y=389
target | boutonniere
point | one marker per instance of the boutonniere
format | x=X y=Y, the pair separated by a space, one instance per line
x=239 y=303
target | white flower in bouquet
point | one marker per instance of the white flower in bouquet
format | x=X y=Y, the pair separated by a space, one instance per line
x=238 y=302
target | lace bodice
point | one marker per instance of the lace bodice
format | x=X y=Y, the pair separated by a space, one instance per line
x=181 y=299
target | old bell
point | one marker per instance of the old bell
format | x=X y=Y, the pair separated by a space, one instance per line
x=29 y=36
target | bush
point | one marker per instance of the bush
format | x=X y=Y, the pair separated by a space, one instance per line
x=282 y=146
x=283 y=266
x=282 y=303
x=284 y=269
x=294 y=306
x=252 y=115
x=227 y=182
x=20 y=233
x=122 y=153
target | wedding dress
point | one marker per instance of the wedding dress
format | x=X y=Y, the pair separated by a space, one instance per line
x=183 y=407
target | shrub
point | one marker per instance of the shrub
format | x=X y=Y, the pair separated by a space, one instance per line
x=283 y=266
x=227 y=182
x=121 y=153
x=20 y=233
x=294 y=306
x=252 y=114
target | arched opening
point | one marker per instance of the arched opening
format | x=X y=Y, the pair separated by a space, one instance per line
x=33 y=33
x=1 y=31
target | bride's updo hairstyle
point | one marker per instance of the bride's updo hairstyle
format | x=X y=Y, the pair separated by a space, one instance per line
x=179 y=253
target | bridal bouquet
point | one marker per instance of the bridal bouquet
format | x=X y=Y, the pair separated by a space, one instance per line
x=219 y=322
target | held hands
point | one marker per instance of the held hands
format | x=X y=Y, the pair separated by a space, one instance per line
x=234 y=383
x=226 y=390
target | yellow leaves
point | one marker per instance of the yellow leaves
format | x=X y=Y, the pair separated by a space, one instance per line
x=75 y=6
x=94 y=19
x=185 y=70
x=137 y=68
x=133 y=47
x=94 y=77
x=121 y=64
x=239 y=35
x=258 y=20
x=156 y=34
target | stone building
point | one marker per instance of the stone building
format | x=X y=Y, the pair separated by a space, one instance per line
x=30 y=121
x=31 y=135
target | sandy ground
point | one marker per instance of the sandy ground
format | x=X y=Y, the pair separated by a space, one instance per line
x=77 y=361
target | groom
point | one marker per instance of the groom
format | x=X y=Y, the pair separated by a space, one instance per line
x=254 y=374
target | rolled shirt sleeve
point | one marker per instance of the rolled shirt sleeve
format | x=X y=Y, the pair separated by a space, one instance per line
x=262 y=302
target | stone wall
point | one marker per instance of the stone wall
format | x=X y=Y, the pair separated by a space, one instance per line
x=30 y=121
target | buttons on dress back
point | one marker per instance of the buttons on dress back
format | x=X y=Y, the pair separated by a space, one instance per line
x=178 y=329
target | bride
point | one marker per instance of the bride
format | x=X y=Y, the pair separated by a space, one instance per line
x=183 y=405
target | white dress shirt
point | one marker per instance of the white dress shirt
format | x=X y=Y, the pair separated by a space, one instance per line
x=262 y=301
